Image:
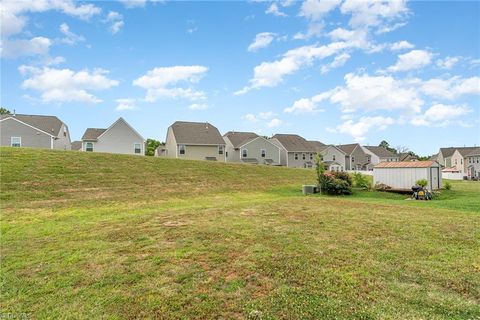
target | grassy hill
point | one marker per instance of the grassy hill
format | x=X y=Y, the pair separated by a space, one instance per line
x=109 y=236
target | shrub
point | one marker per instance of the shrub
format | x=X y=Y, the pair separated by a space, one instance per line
x=361 y=181
x=422 y=183
x=343 y=176
x=448 y=186
x=329 y=184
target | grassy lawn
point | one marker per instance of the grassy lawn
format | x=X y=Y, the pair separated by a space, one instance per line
x=108 y=236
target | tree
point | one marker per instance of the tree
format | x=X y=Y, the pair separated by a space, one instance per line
x=386 y=145
x=4 y=111
x=403 y=149
x=152 y=144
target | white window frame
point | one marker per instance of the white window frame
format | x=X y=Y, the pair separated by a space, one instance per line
x=184 y=149
x=295 y=156
x=19 y=143
x=221 y=149
x=263 y=153
x=353 y=159
x=246 y=153
x=135 y=149
x=86 y=146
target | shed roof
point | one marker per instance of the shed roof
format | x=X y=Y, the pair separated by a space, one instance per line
x=196 y=133
x=240 y=138
x=48 y=124
x=406 y=164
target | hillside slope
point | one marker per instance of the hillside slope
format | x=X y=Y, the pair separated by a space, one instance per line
x=33 y=176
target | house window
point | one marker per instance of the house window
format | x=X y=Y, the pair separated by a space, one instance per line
x=244 y=153
x=353 y=159
x=64 y=131
x=89 y=146
x=138 y=148
x=455 y=161
x=263 y=153
x=221 y=149
x=461 y=161
x=368 y=159
x=333 y=157
x=296 y=156
x=303 y=156
x=321 y=158
x=16 y=141
x=181 y=149
x=226 y=154
x=311 y=156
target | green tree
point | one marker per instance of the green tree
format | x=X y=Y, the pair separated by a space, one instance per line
x=4 y=111
x=152 y=144
x=386 y=145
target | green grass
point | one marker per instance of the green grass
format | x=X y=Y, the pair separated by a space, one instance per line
x=108 y=236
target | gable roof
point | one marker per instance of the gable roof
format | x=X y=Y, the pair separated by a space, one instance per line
x=406 y=164
x=47 y=124
x=294 y=143
x=381 y=152
x=318 y=145
x=76 y=145
x=474 y=152
x=466 y=150
x=448 y=152
x=348 y=148
x=92 y=133
x=201 y=133
x=405 y=156
x=240 y=138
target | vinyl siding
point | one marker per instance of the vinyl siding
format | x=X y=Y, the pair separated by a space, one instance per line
x=30 y=136
x=171 y=144
x=328 y=154
x=196 y=152
x=63 y=142
x=254 y=148
x=300 y=163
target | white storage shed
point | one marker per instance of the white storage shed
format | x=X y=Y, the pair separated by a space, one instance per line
x=403 y=175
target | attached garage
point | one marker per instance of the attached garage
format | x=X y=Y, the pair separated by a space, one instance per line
x=403 y=175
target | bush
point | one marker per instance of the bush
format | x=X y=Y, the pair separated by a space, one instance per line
x=343 y=176
x=362 y=181
x=329 y=184
x=448 y=186
x=422 y=183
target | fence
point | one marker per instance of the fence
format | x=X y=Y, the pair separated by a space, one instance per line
x=452 y=175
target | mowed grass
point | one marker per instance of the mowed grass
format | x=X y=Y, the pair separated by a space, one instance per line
x=89 y=236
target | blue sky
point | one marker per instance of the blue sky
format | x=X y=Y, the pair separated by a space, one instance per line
x=335 y=71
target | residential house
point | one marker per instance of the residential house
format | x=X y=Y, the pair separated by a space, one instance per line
x=472 y=161
x=120 y=137
x=194 y=140
x=295 y=151
x=249 y=147
x=444 y=156
x=355 y=157
x=331 y=156
x=36 y=131
x=458 y=159
x=379 y=154
x=406 y=156
x=76 y=145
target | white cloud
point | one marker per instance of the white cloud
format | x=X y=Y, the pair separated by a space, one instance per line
x=65 y=85
x=338 y=61
x=198 y=106
x=373 y=13
x=314 y=30
x=440 y=115
x=125 y=104
x=70 y=37
x=261 y=116
x=250 y=117
x=159 y=81
x=262 y=40
x=451 y=88
x=305 y=105
x=270 y=74
x=17 y=48
x=134 y=3
x=401 y=45
x=390 y=28
x=273 y=9
x=115 y=20
x=359 y=129
x=412 y=60
x=448 y=62
x=274 y=123
x=317 y=9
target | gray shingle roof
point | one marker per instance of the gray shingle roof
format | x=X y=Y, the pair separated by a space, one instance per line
x=294 y=143
x=474 y=152
x=348 y=148
x=240 y=138
x=201 y=133
x=448 y=152
x=48 y=124
x=76 y=145
x=381 y=152
x=318 y=145
x=92 y=133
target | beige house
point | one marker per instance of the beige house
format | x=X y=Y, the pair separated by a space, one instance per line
x=295 y=151
x=249 y=147
x=195 y=141
x=379 y=154
x=355 y=157
x=35 y=131
x=331 y=156
x=459 y=161
x=444 y=156
x=472 y=163
x=120 y=137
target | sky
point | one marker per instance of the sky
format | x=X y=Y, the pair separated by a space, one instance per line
x=337 y=71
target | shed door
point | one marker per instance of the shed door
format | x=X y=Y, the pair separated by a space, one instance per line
x=434 y=175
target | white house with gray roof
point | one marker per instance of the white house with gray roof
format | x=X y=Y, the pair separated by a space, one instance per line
x=36 y=131
x=379 y=154
x=195 y=141
x=249 y=147
x=332 y=157
x=355 y=157
x=472 y=162
x=295 y=151
x=120 y=137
